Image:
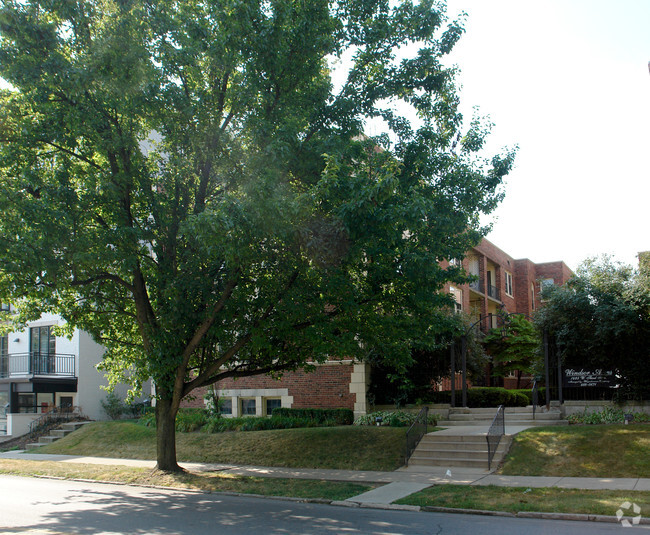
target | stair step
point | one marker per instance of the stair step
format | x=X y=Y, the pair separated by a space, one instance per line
x=73 y=426
x=509 y=422
x=444 y=447
x=437 y=437
x=33 y=445
x=439 y=461
x=47 y=440
x=60 y=433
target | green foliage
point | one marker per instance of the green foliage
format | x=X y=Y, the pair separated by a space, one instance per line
x=184 y=181
x=516 y=352
x=189 y=420
x=113 y=406
x=192 y=420
x=393 y=419
x=609 y=415
x=482 y=397
x=408 y=381
x=251 y=423
x=340 y=416
x=541 y=394
x=601 y=319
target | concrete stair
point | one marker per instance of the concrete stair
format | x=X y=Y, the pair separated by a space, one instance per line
x=514 y=416
x=469 y=451
x=56 y=434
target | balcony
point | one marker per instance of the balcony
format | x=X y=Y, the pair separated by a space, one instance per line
x=32 y=364
x=493 y=292
x=477 y=286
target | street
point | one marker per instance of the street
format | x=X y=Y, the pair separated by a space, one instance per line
x=57 y=506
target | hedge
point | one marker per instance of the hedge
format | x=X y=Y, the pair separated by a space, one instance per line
x=480 y=397
x=340 y=416
x=393 y=419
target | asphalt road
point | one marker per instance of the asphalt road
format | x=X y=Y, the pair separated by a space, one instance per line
x=45 y=506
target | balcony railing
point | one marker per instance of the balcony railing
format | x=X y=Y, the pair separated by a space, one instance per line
x=22 y=364
x=493 y=292
x=477 y=286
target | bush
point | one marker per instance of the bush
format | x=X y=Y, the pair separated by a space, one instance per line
x=480 y=397
x=187 y=420
x=609 y=415
x=340 y=416
x=217 y=424
x=541 y=394
x=113 y=406
x=393 y=419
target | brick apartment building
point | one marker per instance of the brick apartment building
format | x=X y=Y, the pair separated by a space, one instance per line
x=502 y=282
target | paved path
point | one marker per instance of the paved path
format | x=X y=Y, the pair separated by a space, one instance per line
x=398 y=484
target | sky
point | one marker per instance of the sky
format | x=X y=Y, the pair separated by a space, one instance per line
x=568 y=82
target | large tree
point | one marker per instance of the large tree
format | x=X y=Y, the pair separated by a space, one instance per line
x=188 y=182
x=601 y=319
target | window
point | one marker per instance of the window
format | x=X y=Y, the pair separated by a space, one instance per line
x=42 y=341
x=532 y=295
x=248 y=407
x=225 y=405
x=509 y=284
x=458 y=297
x=272 y=403
x=42 y=344
x=5 y=307
x=545 y=283
x=26 y=403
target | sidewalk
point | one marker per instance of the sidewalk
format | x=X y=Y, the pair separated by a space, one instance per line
x=397 y=484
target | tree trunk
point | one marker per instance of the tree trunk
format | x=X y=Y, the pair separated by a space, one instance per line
x=166 y=436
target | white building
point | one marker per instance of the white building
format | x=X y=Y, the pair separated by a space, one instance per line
x=40 y=371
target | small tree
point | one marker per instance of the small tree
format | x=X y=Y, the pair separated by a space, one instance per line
x=517 y=352
x=601 y=319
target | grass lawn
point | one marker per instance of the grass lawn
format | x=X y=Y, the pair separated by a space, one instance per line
x=492 y=498
x=581 y=451
x=345 y=447
x=209 y=482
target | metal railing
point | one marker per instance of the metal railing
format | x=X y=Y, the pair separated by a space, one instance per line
x=477 y=286
x=493 y=292
x=494 y=434
x=57 y=364
x=535 y=397
x=55 y=415
x=415 y=433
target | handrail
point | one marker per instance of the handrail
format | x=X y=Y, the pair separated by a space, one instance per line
x=415 y=433
x=56 y=414
x=36 y=363
x=494 y=434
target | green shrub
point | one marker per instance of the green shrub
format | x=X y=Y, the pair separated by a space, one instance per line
x=393 y=419
x=340 y=416
x=483 y=397
x=609 y=415
x=113 y=406
x=541 y=394
x=187 y=420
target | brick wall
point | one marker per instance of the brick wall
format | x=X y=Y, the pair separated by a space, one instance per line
x=327 y=387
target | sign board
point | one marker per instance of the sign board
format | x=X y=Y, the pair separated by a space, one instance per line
x=574 y=377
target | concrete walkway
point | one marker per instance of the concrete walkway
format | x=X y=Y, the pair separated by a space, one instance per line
x=397 y=484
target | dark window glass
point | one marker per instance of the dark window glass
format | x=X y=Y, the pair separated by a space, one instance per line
x=248 y=407
x=272 y=404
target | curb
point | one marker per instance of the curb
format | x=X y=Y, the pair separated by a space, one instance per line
x=352 y=504
x=531 y=514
